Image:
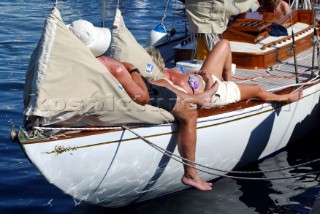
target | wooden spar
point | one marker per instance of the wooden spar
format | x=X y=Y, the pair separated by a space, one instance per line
x=294 y=48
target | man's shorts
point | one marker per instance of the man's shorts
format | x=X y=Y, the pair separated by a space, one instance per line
x=160 y=96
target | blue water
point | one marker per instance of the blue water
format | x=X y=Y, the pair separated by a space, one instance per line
x=24 y=190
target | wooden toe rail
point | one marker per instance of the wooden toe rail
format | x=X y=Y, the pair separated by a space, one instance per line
x=284 y=39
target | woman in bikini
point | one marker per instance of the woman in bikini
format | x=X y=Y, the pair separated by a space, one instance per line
x=217 y=67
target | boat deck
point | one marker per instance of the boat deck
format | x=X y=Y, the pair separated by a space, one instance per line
x=279 y=75
x=274 y=78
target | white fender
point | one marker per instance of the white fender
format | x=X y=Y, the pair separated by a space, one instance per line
x=157 y=36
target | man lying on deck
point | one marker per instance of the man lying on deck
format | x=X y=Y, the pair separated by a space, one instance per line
x=144 y=92
x=217 y=68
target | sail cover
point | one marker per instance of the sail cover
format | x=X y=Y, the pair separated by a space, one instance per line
x=67 y=86
x=212 y=16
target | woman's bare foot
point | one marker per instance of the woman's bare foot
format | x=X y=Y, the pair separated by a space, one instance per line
x=294 y=97
x=196 y=182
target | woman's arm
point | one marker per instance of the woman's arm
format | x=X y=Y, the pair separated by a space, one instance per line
x=207 y=78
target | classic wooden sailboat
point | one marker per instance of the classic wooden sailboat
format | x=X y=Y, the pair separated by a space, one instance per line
x=116 y=165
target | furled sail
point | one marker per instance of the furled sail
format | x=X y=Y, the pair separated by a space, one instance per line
x=67 y=86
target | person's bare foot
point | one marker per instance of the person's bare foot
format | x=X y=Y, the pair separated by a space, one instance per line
x=206 y=96
x=294 y=97
x=196 y=182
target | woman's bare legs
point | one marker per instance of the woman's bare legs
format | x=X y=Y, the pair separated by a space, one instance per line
x=219 y=61
x=249 y=91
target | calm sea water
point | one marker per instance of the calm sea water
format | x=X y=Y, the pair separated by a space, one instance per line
x=24 y=190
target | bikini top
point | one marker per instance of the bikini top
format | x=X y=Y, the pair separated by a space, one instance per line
x=194 y=82
x=180 y=68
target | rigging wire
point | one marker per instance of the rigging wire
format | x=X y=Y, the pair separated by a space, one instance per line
x=191 y=164
x=316 y=8
x=293 y=46
x=315 y=39
x=270 y=76
x=186 y=21
x=300 y=85
x=174 y=13
x=165 y=12
x=103 y=12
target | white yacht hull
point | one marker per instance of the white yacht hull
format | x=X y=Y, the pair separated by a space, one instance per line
x=117 y=168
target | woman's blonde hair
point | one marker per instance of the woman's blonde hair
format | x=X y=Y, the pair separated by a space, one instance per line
x=156 y=57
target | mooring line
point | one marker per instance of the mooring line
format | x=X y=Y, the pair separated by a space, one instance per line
x=190 y=164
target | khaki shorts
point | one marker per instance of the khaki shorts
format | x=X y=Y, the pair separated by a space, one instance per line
x=228 y=92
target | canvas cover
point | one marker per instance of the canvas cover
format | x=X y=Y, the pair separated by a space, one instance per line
x=212 y=16
x=125 y=48
x=67 y=86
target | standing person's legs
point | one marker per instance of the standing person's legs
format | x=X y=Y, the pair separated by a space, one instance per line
x=187 y=137
x=219 y=61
